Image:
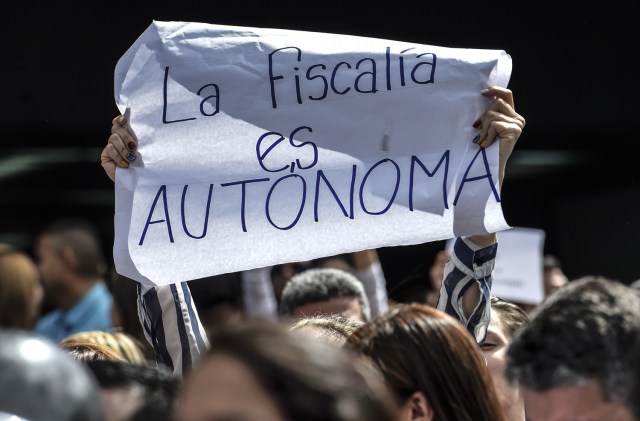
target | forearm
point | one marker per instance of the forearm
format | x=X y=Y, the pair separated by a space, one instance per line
x=171 y=325
x=466 y=287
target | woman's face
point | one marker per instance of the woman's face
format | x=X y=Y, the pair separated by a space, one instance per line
x=494 y=350
x=224 y=389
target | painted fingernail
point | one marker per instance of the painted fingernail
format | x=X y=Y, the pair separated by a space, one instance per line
x=131 y=145
x=483 y=143
x=124 y=163
x=131 y=157
x=475 y=139
x=477 y=124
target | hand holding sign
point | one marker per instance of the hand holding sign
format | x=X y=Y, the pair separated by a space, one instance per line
x=285 y=165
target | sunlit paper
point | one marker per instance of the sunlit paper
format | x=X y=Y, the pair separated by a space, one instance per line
x=264 y=146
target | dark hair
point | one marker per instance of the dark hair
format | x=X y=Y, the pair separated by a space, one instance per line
x=308 y=378
x=585 y=331
x=550 y=261
x=82 y=237
x=322 y=284
x=419 y=348
x=160 y=386
x=511 y=314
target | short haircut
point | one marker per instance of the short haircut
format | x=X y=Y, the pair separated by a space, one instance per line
x=583 y=332
x=82 y=237
x=511 y=314
x=322 y=284
x=334 y=328
x=550 y=262
x=160 y=386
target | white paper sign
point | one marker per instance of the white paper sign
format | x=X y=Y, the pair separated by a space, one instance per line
x=264 y=146
x=518 y=272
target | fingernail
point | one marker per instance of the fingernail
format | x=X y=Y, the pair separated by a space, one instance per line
x=124 y=163
x=122 y=120
x=475 y=139
x=483 y=143
x=131 y=145
x=477 y=123
x=484 y=91
x=131 y=157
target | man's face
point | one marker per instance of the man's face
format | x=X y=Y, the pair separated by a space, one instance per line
x=348 y=307
x=51 y=267
x=578 y=403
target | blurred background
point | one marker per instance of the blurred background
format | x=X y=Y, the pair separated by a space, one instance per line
x=573 y=174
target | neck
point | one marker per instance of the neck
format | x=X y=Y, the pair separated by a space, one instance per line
x=76 y=291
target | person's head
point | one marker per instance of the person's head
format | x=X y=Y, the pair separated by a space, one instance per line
x=134 y=392
x=264 y=371
x=40 y=382
x=431 y=362
x=324 y=291
x=69 y=257
x=90 y=345
x=333 y=328
x=20 y=289
x=553 y=275
x=570 y=361
x=506 y=319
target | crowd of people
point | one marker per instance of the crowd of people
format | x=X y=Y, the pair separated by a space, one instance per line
x=321 y=340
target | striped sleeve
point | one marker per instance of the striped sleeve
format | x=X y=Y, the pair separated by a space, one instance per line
x=171 y=325
x=469 y=264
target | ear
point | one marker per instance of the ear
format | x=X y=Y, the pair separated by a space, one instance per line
x=69 y=257
x=417 y=408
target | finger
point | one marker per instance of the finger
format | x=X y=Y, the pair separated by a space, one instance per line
x=499 y=105
x=120 y=125
x=499 y=92
x=113 y=154
x=118 y=144
x=508 y=130
x=107 y=162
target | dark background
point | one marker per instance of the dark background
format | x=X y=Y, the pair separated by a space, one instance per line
x=573 y=174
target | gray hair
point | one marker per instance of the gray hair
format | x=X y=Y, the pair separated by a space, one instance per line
x=584 y=332
x=322 y=284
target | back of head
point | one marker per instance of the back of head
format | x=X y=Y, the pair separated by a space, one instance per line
x=319 y=285
x=106 y=345
x=19 y=289
x=308 y=379
x=82 y=237
x=584 y=332
x=155 y=390
x=333 y=328
x=421 y=349
x=40 y=382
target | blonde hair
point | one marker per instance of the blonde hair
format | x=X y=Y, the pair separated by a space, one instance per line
x=19 y=282
x=119 y=346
